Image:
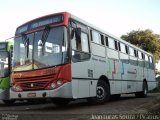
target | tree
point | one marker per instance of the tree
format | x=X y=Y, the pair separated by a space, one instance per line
x=157 y=72
x=146 y=40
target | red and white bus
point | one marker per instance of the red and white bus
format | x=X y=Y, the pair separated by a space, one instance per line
x=62 y=57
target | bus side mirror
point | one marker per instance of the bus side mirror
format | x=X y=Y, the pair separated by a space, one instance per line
x=78 y=33
x=72 y=34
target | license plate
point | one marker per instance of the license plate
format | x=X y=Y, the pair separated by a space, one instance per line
x=31 y=95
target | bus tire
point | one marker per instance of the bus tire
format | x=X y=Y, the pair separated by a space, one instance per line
x=103 y=93
x=143 y=93
x=60 y=102
x=9 y=102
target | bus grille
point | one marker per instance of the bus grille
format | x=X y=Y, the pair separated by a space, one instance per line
x=34 y=83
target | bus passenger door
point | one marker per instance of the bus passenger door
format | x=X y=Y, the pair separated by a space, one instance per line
x=82 y=68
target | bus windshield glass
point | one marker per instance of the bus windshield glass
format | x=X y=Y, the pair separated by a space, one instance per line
x=37 y=51
x=4 y=68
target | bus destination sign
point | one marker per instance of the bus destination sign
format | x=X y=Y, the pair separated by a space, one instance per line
x=46 y=21
x=40 y=23
x=22 y=29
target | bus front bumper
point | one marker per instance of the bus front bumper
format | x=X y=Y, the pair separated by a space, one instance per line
x=63 y=91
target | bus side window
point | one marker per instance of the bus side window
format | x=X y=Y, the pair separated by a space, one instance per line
x=96 y=37
x=150 y=59
x=135 y=53
x=111 y=43
x=102 y=39
x=116 y=45
x=131 y=51
x=146 y=61
x=78 y=45
x=119 y=46
x=84 y=42
x=146 y=57
x=122 y=48
x=139 y=55
x=80 y=48
x=126 y=48
x=151 y=65
x=106 y=38
x=91 y=35
x=143 y=57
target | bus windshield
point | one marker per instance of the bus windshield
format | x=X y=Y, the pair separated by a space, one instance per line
x=4 y=68
x=36 y=51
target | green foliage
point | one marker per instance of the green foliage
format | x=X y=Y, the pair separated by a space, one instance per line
x=157 y=72
x=146 y=40
x=157 y=89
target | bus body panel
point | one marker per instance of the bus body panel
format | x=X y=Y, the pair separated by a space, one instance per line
x=32 y=82
x=62 y=92
x=81 y=80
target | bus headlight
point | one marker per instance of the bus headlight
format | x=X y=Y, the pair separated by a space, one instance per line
x=17 y=88
x=59 y=82
x=53 y=85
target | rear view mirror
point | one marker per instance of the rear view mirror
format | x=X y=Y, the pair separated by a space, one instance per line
x=77 y=33
x=72 y=33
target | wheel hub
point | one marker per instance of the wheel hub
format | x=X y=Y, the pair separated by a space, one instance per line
x=100 y=92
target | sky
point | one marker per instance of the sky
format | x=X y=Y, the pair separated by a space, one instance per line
x=117 y=17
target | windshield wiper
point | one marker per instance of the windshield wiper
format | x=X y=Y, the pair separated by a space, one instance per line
x=26 y=42
x=45 y=35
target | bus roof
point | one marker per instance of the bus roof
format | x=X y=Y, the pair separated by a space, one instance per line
x=108 y=34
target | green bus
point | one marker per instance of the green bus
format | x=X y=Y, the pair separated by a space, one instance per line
x=6 y=51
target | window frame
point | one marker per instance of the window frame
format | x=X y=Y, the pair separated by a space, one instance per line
x=111 y=45
x=92 y=31
x=131 y=48
x=121 y=46
x=116 y=45
x=88 y=42
x=150 y=59
x=146 y=58
x=106 y=41
x=81 y=51
x=140 y=54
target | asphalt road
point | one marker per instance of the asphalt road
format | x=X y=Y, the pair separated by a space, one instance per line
x=81 y=109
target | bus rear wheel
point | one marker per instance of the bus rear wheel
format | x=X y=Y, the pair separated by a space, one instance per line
x=143 y=93
x=60 y=102
x=103 y=93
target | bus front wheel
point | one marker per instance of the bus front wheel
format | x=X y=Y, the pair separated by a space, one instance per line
x=102 y=93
